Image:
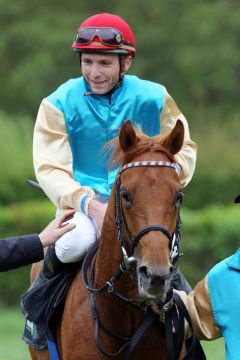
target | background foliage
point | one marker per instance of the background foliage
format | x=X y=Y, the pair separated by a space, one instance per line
x=191 y=47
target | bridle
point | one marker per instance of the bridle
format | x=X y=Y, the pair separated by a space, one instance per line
x=129 y=262
x=121 y=223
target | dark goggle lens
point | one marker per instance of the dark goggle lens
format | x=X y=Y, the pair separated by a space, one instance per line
x=107 y=36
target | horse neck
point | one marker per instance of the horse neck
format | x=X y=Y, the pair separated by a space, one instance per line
x=109 y=254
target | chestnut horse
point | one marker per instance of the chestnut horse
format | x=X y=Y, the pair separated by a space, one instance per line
x=131 y=270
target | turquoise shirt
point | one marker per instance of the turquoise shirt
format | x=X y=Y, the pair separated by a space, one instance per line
x=92 y=120
x=224 y=290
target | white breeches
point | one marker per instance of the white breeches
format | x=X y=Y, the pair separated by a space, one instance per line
x=72 y=246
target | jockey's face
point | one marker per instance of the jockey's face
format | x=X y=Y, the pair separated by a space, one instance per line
x=102 y=71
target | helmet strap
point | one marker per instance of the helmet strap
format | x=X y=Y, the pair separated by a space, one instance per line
x=80 y=59
x=122 y=67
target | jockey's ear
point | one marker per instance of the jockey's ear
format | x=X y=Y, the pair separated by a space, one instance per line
x=127 y=63
x=127 y=136
x=174 y=141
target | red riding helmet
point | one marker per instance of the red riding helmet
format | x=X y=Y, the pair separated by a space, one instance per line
x=105 y=33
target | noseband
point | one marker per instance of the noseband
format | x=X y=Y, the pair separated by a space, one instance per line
x=121 y=223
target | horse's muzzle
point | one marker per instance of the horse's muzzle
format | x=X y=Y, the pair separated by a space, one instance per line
x=154 y=284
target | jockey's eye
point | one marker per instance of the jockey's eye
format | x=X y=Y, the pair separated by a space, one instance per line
x=125 y=196
x=178 y=198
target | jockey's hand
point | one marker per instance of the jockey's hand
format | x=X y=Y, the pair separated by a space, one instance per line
x=96 y=211
x=56 y=228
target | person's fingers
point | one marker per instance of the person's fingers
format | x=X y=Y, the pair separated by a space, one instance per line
x=63 y=225
x=68 y=215
x=66 y=228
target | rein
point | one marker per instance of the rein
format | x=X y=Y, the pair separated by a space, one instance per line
x=172 y=315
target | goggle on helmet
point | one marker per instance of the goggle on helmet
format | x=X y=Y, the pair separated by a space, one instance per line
x=105 y=33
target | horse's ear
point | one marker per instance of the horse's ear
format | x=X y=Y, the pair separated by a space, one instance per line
x=127 y=136
x=174 y=141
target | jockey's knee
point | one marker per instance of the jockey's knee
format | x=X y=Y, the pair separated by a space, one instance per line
x=72 y=246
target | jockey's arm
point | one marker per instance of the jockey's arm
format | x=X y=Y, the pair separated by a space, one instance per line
x=186 y=157
x=52 y=157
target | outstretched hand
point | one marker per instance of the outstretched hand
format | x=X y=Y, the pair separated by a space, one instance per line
x=56 y=228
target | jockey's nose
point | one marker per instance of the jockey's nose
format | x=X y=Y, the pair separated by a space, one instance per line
x=95 y=71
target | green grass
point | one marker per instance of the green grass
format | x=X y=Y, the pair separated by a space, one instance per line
x=11 y=326
x=214 y=349
x=13 y=348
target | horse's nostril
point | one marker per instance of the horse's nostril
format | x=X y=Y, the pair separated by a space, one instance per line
x=143 y=271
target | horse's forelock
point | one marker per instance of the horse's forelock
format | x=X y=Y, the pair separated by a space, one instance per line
x=144 y=144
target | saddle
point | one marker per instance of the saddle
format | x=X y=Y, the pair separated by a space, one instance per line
x=43 y=302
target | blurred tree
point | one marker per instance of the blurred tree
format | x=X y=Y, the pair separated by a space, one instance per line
x=190 y=47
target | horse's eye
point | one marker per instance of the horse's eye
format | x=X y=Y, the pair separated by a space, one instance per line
x=126 y=196
x=178 y=199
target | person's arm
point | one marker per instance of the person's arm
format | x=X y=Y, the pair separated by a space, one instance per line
x=19 y=251
x=186 y=157
x=52 y=158
x=199 y=307
x=23 y=250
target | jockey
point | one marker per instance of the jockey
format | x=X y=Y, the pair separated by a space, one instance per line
x=214 y=304
x=79 y=118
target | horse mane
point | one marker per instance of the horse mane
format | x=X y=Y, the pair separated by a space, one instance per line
x=144 y=144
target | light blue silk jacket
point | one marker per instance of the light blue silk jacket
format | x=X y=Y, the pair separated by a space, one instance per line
x=93 y=120
x=73 y=125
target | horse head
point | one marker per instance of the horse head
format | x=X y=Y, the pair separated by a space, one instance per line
x=148 y=199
